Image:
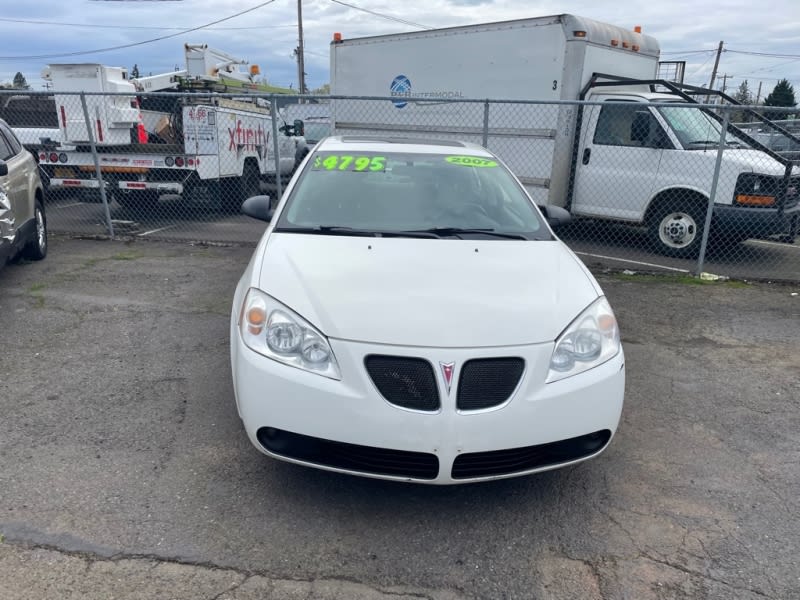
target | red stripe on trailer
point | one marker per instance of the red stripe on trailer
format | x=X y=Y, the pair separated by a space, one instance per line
x=134 y=185
x=99 y=130
x=63 y=118
x=72 y=182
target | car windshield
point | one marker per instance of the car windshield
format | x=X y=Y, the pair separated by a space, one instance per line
x=413 y=195
x=696 y=129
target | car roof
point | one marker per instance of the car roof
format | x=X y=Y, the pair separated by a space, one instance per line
x=352 y=143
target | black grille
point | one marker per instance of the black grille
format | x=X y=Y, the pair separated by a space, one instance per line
x=406 y=382
x=516 y=460
x=487 y=382
x=364 y=459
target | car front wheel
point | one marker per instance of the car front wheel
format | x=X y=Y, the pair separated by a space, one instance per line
x=36 y=248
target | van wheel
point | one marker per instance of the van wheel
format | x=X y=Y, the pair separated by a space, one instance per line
x=36 y=248
x=676 y=228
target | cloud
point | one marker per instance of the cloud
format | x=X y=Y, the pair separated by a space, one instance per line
x=268 y=35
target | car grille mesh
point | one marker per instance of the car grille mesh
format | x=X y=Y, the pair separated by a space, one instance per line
x=487 y=382
x=404 y=381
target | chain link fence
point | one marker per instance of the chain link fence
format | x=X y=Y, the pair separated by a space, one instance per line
x=675 y=187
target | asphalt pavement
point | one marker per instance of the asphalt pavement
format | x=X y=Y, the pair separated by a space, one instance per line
x=126 y=473
x=601 y=245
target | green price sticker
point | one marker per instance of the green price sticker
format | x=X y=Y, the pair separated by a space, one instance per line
x=471 y=161
x=333 y=162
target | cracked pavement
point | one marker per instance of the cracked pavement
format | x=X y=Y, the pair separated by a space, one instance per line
x=125 y=472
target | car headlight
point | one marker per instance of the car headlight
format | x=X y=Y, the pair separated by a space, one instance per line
x=589 y=341
x=275 y=331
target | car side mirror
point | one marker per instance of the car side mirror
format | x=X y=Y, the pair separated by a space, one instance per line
x=555 y=215
x=258 y=207
x=3 y=168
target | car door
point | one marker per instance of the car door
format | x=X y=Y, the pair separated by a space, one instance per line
x=618 y=160
x=16 y=184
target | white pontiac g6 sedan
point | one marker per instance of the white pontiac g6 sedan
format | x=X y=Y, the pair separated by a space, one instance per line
x=409 y=314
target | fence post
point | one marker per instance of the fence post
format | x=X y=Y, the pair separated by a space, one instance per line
x=723 y=134
x=276 y=148
x=485 y=140
x=98 y=173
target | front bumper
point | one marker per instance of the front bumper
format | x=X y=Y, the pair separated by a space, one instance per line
x=757 y=222
x=283 y=404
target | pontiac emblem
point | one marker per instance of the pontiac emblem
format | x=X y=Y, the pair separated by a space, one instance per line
x=447 y=371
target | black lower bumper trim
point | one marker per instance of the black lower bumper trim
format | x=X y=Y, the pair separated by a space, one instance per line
x=351 y=457
x=517 y=460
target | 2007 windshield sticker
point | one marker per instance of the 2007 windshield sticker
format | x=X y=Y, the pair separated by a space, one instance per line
x=471 y=161
x=349 y=163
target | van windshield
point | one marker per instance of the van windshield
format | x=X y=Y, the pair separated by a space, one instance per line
x=695 y=129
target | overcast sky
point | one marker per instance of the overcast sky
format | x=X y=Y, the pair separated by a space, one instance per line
x=268 y=35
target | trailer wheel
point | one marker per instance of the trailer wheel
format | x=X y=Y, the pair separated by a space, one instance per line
x=676 y=226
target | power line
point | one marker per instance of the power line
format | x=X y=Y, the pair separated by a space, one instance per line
x=143 y=42
x=145 y=27
x=732 y=51
x=382 y=15
x=766 y=54
x=689 y=51
x=772 y=67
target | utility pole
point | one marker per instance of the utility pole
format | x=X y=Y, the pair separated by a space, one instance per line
x=725 y=78
x=758 y=95
x=714 y=70
x=301 y=68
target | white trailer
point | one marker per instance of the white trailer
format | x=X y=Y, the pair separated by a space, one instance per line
x=194 y=144
x=630 y=161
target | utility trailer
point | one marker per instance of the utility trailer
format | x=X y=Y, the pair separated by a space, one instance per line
x=187 y=140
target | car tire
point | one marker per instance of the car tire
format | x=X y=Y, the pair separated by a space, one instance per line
x=675 y=228
x=36 y=248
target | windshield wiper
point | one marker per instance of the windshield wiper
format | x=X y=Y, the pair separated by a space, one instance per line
x=343 y=230
x=457 y=231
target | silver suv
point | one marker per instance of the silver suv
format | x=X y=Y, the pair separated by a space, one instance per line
x=23 y=225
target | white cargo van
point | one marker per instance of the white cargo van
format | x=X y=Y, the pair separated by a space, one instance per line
x=626 y=158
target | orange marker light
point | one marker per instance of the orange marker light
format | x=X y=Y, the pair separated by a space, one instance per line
x=615 y=43
x=579 y=34
x=748 y=200
x=638 y=29
x=256 y=317
x=337 y=37
x=626 y=44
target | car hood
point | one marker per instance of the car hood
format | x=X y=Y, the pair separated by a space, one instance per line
x=421 y=292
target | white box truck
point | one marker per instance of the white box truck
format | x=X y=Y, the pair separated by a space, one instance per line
x=194 y=144
x=628 y=158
